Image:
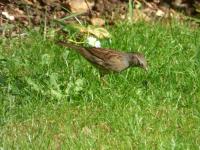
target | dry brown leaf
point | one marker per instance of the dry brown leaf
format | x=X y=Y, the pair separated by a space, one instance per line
x=97 y=21
x=80 y=6
x=18 y=11
x=99 y=32
x=160 y=13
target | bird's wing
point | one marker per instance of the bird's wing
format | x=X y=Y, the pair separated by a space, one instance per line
x=103 y=53
x=110 y=59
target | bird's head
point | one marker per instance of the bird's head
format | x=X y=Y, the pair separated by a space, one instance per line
x=138 y=60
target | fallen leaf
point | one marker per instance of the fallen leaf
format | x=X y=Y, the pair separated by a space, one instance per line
x=99 y=32
x=97 y=21
x=80 y=6
x=160 y=13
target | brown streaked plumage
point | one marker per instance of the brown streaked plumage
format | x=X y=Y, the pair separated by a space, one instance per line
x=108 y=60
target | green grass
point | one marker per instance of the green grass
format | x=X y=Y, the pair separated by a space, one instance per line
x=52 y=98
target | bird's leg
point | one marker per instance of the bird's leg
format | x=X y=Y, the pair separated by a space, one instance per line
x=103 y=81
x=102 y=77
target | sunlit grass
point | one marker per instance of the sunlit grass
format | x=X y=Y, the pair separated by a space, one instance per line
x=52 y=98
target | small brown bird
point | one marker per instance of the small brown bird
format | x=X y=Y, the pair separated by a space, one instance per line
x=108 y=60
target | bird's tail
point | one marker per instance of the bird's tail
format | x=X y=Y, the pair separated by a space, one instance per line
x=70 y=45
x=85 y=52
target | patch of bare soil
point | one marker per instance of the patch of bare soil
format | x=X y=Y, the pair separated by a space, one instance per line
x=26 y=13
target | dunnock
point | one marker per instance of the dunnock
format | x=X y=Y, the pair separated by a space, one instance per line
x=108 y=60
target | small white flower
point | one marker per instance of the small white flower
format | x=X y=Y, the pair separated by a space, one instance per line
x=5 y=13
x=11 y=18
x=92 y=41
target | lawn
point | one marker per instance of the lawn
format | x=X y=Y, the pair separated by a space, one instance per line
x=52 y=98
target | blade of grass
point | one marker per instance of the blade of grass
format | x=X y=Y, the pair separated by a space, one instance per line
x=130 y=10
x=73 y=15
